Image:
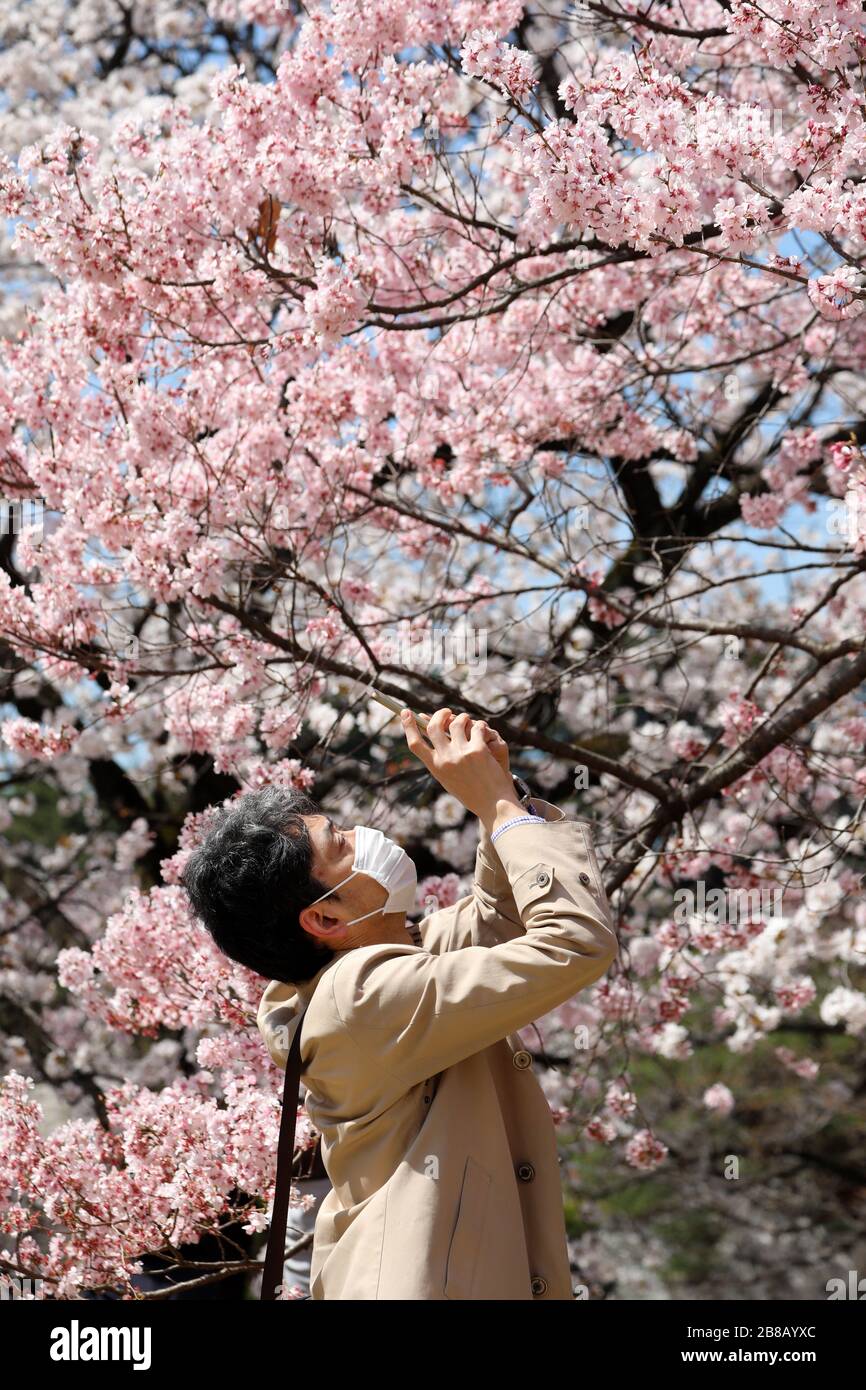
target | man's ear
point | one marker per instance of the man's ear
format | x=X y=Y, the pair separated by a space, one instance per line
x=316 y=923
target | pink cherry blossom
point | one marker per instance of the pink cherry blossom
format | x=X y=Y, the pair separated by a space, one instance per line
x=512 y=71
x=719 y=1098
x=645 y=1152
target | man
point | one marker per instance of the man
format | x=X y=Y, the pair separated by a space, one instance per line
x=436 y=1135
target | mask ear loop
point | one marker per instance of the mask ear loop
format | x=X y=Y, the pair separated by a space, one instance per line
x=364 y=916
x=334 y=889
x=339 y=885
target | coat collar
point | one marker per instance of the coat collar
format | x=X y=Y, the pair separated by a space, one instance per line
x=306 y=990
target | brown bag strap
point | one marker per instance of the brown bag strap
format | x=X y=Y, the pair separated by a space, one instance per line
x=276 y=1252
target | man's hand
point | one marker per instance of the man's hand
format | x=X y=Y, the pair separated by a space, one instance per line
x=496 y=743
x=469 y=760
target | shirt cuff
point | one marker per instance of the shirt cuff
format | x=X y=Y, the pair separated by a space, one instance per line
x=518 y=820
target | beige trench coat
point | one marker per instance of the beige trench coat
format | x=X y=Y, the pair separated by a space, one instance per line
x=436 y=1133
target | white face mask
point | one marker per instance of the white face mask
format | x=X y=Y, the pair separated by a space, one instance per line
x=386 y=862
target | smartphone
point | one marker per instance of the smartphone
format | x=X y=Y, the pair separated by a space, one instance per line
x=395 y=706
x=522 y=789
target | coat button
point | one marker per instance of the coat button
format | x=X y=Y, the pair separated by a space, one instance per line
x=584 y=878
x=522 y=1059
x=525 y=1172
x=539 y=1285
x=542 y=879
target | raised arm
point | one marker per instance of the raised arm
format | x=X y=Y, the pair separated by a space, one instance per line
x=488 y=915
x=414 y=1014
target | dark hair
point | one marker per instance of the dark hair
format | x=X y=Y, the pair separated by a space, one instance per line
x=252 y=876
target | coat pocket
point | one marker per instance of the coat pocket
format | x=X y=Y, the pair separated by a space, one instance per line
x=467 y=1236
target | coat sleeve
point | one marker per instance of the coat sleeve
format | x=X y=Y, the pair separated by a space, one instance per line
x=489 y=913
x=414 y=1013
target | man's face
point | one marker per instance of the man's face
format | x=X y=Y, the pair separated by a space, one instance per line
x=333 y=855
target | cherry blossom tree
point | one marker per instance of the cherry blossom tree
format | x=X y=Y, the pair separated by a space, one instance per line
x=540 y=322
